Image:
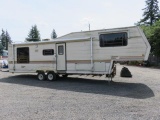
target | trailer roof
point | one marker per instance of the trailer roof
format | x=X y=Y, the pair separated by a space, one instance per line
x=99 y=30
x=54 y=41
x=63 y=39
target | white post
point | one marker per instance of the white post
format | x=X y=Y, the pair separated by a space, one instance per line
x=13 y=57
x=91 y=54
x=89 y=26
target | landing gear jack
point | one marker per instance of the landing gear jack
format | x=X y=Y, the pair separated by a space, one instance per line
x=110 y=78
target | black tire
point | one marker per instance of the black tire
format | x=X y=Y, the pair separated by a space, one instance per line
x=51 y=76
x=57 y=76
x=41 y=76
x=66 y=75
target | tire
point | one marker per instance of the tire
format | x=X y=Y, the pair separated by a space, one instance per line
x=51 y=76
x=66 y=75
x=41 y=76
x=57 y=76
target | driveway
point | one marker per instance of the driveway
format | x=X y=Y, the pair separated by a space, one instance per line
x=22 y=96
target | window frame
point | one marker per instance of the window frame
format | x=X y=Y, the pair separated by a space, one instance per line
x=18 y=56
x=60 y=51
x=43 y=52
x=112 y=43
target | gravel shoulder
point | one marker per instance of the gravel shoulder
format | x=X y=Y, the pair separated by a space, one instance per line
x=22 y=96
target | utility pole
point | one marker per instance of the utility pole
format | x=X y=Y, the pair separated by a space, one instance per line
x=89 y=26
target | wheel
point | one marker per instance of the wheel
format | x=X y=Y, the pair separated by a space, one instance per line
x=66 y=75
x=41 y=76
x=57 y=76
x=51 y=76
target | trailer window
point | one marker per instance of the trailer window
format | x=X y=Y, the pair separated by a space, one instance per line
x=48 y=52
x=60 y=50
x=23 y=55
x=113 y=39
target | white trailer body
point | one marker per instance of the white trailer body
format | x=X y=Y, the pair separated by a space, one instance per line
x=88 y=52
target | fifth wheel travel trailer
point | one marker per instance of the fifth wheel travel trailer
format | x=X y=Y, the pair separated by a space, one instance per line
x=86 y=52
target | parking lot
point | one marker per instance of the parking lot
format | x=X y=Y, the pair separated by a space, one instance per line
x=22 y=96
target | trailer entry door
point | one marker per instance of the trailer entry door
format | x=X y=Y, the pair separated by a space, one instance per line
x=61 y=56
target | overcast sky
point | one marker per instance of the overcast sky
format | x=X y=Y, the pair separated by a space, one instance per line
x=65 y=16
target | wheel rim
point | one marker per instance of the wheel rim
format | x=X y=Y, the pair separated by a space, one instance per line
x=40 y=77
x=50 y=77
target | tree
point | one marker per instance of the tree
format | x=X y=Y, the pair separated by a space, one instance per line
x=53 y=35
x=153 y=35
x=155 y=39
x=1 y=48
x=151 y=13
x=3 y=39
x=33 y=35
x=8 y=39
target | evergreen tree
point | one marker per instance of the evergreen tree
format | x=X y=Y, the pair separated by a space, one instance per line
x=8 y=39
x=151 y=13
x=3 y=39
x=1 y=48
x=33 y=35
x=53 y=35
